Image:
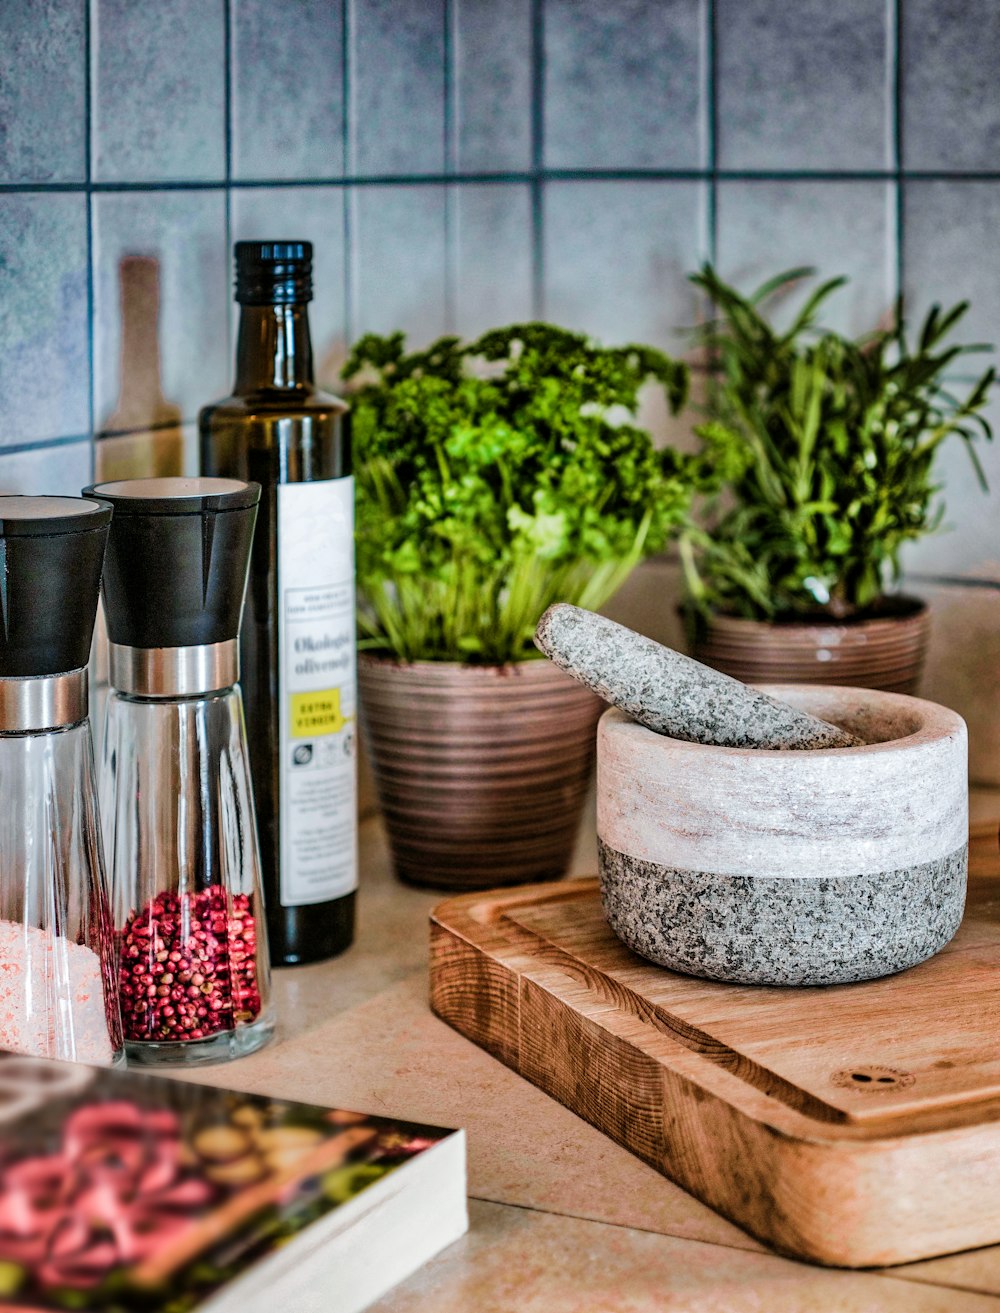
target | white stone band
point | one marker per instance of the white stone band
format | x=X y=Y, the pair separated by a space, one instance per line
x=811 y=814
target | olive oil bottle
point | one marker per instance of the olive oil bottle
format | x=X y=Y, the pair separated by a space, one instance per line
x=298 y=639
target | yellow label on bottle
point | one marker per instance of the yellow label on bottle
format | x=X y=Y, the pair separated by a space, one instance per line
x=315 y=714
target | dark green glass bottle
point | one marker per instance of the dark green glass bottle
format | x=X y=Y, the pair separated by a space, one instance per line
x=298 y=640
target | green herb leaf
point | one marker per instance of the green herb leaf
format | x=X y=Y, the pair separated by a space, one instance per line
x=817 y=453
x=498 y=477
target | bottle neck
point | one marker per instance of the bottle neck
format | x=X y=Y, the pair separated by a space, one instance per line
x=274 y=349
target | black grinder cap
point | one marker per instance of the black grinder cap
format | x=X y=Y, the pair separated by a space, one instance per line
x=51 y=550
x=175 y=574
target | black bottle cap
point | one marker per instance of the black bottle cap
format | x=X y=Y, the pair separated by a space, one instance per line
x=274 y=273
x=51 y=551
x=178 y=555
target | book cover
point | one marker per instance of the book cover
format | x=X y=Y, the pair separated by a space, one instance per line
x=127 y=1193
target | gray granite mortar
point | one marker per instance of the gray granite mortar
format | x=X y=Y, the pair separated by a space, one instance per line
x=777 y=930
x=671 y=694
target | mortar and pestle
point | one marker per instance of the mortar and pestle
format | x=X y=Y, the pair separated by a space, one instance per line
x=787 y=835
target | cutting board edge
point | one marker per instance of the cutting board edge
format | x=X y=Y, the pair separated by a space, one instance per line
x=801 y=1187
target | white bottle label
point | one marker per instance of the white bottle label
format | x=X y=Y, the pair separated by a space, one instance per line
x=316 y=688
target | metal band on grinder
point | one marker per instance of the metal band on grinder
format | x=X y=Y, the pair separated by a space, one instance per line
x=173 y=672
x=671 y=694
x=43 y=702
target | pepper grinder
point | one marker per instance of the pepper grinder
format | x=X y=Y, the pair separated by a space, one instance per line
x=179 y=824
x=58 y=991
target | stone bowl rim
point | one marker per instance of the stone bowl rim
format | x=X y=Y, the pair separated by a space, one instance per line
x=935 y=723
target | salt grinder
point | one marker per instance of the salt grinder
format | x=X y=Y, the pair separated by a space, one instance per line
x=179 y=825
x=58 y=991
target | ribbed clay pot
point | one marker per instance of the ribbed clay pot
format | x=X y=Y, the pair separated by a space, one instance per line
x=481 y=771
x=886 y=652
x=788 y=868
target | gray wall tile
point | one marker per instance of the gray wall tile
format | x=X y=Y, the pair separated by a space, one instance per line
x=617 y=255
x=61 y=470
x=397 y=86
x=44 y=371
x=949 y=227
x=157 y=453
x=962 y=668
x=493 y=256
x=648 y=602
x=492 y=77
x=287 y=89
x=159 y=90
x=624 y=84
x=838 y=227
x=43 y=136
x=314 y=214
x=951 y=111
x=399 y=277
x=803 y=85
x=969 y=542
x=161 y=303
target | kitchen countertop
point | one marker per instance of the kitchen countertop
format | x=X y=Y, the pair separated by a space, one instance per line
x=562 y=1220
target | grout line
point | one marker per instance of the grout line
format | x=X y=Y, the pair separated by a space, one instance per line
x=350 y=282
x=712 y=111
x=350 y=144
x=88 y=172
x=450 y=108
x=536 y=176
x=157 y=426
x=229 y=29
x=450 y=148
x=894 y=26
x=451 y=258
x=91 y=352
x=753 y=1248
x=518 y=176
x=90 y=54
x=347 y=196
x=888 y=1274
x=229 y=37
x=345 y=85
x=895 y=255
x=43 y=444
x=954 y=580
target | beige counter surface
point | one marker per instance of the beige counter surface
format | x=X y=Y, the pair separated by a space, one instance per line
x=562 y=1220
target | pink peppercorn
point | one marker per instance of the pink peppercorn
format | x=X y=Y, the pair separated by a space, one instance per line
x=177 y=986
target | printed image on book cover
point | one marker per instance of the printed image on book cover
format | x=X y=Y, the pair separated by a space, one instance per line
x=123 y=1192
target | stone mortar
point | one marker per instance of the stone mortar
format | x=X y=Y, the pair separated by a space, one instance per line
x=778 y=868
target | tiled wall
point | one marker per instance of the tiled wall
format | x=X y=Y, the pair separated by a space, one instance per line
x=460 y=163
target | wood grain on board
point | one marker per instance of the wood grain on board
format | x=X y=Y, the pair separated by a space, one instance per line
x=853 y=1125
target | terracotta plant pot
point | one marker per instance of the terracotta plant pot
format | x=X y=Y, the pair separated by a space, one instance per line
x=481 y=771
x=886 y=652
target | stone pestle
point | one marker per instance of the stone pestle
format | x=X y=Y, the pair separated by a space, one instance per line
x=672 y=694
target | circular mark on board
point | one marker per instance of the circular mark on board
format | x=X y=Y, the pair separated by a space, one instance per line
x=870 y=1078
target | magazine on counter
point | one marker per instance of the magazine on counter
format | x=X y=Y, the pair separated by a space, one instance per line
x=127 y=1193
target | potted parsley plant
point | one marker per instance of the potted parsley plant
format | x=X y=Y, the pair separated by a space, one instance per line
x=494 y=478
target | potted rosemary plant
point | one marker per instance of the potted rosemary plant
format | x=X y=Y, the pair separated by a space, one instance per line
x=818 y=452
x=493 y=479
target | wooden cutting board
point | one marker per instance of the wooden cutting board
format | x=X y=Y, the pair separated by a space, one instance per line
x=854 y=1125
